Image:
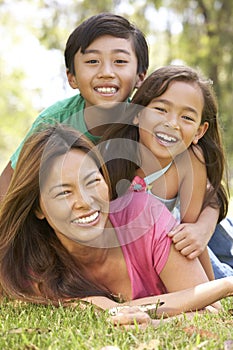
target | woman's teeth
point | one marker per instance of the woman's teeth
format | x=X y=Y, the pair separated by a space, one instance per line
x=87 y=219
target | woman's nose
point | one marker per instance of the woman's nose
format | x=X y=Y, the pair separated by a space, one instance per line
x=82 y=200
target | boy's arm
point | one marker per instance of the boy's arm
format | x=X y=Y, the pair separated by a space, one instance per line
x=5 y=179
x=46 y=117
x=7 y=173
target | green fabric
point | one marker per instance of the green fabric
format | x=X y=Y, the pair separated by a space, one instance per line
x=68 y=111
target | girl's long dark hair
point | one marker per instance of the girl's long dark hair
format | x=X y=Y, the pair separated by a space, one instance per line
x=34 y=265
x=211 y=143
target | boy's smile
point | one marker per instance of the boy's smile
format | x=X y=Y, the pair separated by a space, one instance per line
x=106 y=71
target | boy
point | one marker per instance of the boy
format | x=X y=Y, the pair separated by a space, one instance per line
x=106 y=59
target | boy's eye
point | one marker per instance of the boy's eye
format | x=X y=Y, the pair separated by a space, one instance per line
x=92 y=61
x=120 y=61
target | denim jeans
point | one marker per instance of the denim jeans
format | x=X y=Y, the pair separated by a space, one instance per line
x=221 y=249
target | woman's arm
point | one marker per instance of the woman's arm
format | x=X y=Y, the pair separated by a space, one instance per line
x=187 y=286
x=191 y=299
x=181 y=273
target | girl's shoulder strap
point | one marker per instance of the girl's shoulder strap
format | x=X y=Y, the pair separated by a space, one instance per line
x=154 y=176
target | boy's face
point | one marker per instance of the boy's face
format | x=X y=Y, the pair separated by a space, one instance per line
x=106 y=71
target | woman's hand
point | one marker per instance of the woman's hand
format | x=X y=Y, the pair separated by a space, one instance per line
x=128 y=315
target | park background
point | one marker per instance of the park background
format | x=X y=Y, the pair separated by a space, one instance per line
x=33 y=34
x=32 y=76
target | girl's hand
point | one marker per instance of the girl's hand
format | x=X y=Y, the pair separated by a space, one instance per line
x=189 y=239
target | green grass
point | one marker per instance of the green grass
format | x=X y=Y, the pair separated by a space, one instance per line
x=32 y=327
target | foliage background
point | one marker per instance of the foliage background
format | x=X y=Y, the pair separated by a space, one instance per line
x=33 y=36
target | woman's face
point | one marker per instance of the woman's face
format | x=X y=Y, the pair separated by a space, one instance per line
x=75 y=198
x=172 y=121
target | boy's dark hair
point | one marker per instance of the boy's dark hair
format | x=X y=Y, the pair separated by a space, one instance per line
x=106 y=24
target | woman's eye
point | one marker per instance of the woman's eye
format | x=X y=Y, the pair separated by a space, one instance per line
x=62 y=193
x=93 y=181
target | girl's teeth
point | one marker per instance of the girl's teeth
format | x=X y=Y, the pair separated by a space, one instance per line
x=87 y=219
x=166 y=137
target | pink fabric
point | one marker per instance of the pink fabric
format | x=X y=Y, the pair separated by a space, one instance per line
x=142 y=223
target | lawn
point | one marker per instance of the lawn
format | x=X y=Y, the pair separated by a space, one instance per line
x=32 y=327
x=35 y=327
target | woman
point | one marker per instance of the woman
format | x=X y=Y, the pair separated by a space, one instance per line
x=61 y=238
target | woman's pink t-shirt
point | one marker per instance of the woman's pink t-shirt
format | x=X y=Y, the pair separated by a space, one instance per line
x=141 y=223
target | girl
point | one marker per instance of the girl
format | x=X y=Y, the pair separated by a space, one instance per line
x=61 y=238
x=178 y=147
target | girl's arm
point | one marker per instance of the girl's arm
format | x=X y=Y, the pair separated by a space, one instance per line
x=193 y=185
x=205 y=225
x=192 y=236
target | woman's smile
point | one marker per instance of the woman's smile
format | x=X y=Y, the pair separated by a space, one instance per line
x=75 y=198
x=87 y=220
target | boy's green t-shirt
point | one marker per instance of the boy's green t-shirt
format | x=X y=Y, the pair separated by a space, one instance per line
x=68 y=111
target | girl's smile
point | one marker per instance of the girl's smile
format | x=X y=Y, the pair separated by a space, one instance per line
x=168 y=126
x=166 y=138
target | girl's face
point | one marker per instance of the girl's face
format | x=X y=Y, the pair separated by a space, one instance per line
x=171 y=122
x=75 y=199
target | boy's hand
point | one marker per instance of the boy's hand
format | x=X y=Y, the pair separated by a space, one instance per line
x=190 y=239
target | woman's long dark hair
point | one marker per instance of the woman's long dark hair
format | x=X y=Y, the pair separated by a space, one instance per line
x=211 y=143
x=34 y=265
